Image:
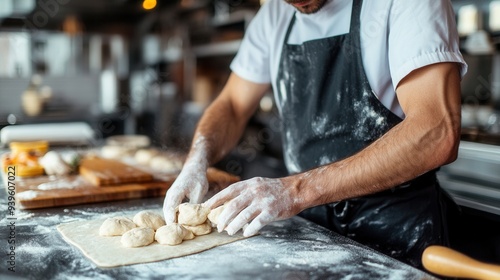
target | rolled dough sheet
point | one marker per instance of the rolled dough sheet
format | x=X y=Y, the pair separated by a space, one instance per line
x=108 y=251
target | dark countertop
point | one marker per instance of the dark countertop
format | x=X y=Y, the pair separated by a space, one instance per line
x=290 y=249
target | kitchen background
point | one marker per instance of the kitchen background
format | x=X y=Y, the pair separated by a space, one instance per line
x=151 y=67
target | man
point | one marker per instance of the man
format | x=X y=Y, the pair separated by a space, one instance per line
x=369 y=97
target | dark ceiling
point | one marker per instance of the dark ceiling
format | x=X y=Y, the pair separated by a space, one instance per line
x=95 y=15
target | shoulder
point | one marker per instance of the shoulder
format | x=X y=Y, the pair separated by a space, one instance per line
x=436 y=10
x=420 y=33
x=269 y=21
x=380 y=10
x=421 y=5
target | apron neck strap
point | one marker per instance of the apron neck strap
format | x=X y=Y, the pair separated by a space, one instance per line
x=355 y=25
x=289 y=30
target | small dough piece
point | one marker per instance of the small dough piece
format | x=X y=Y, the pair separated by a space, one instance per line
x=192 y=214
x=165 y=164
x=115 y=152
x=53 y=164
x=138 y=237
x=144 y=156
x=202 y=229
x=149 y=219
x=213 y=216
x=172 y=234
x=116 y=226
x=188 y=235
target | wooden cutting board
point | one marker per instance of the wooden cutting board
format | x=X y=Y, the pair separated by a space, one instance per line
x=44 y=191
x=103 y=172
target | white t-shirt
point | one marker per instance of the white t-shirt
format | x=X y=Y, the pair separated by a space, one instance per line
x=397 y=37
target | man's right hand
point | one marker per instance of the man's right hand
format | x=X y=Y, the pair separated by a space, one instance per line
x=218 y=131
x=191 y=183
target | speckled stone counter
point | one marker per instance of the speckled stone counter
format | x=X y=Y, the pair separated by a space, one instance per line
x=291 y=249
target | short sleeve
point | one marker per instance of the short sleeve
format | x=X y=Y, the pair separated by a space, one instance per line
x=252 y=62
x=422 y=33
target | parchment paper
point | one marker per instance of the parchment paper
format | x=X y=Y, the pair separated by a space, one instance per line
x=108 y=251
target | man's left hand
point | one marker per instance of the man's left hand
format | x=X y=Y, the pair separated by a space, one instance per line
x=256 y=202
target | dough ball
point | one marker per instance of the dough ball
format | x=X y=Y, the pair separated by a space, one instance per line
x=202 y=229
x=172 y=234
x=188 y=235
x=138 y=237
x=165 y=164
x=144 y=156
x=115 y=152
x=192 y=214
x=169 y=235
x=53 y=164
x=149 y=219
x=116 y=226
x=213 y=216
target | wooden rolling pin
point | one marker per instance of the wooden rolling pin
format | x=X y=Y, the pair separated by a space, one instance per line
x=447 y=262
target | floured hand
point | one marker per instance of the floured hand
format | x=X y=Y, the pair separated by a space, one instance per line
x=257 y=202
x=191 y=183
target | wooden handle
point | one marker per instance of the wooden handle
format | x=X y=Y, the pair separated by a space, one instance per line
x=447 y=262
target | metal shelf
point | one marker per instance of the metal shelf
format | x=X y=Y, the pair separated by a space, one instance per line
x=215 y=49
x=472 y=195
x=243 y=16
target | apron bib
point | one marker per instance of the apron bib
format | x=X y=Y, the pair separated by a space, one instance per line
x=330 y=112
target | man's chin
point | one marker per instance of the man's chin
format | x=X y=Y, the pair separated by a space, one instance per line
x=311 y=8
x=305 y=10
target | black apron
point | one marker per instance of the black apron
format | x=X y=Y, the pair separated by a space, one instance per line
x=330 y=112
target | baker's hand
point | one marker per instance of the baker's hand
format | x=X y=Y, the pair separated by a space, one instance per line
x=191 y=183
x=258 y=201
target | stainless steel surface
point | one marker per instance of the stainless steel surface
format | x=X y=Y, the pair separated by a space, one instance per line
x=291 y=249
x=473 y=179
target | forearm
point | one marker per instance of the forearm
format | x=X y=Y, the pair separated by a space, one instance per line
x=425 y=140
x=393 y=159
x=222 y=124
x=217 y=133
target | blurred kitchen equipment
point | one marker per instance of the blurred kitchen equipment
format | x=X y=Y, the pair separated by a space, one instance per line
x=32 y=101
x=470 y=24
x=494 y=23
x=35 y=97
x=468 y=19
x=154 y=105
x=15 y=54
x=493 y=124
x=495 y=81
x=476 y=116
x=203 y=91
x=75 y=133
x=16 y=7
x=479 y=42
x=109 y=98
x=151 y=46
x=450 y=263
x=221 y=9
